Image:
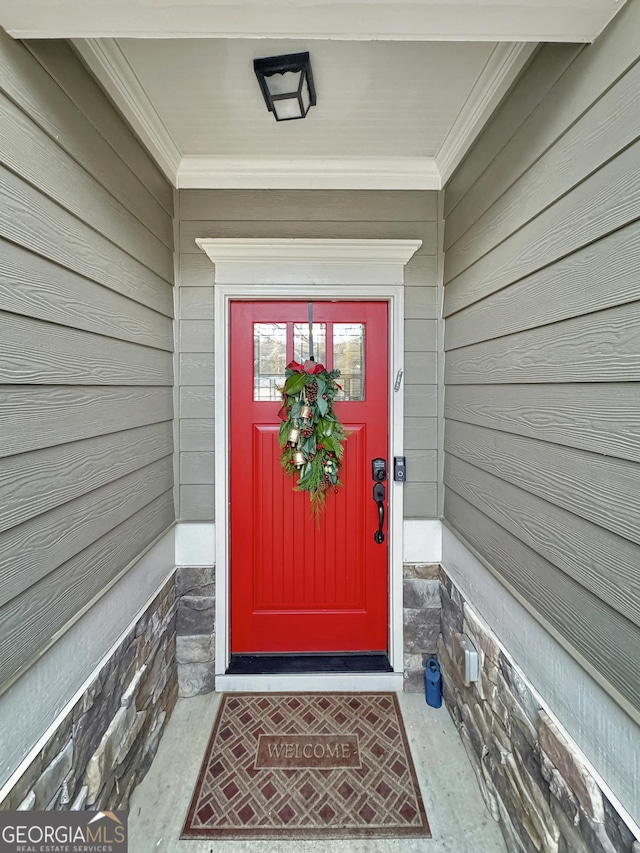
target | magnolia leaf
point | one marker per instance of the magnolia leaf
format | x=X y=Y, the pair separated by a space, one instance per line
x=284 y=432
x=322 y=406
x=295 y=383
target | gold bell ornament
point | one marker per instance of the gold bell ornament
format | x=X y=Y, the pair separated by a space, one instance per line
x=298 y=459
x=306 y=412
x=292 y=438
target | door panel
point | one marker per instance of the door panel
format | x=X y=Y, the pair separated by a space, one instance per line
x=299 y=586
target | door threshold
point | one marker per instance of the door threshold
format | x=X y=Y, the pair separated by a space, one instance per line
x=318 y=682
x=301 y=664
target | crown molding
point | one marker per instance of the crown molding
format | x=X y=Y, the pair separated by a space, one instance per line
x=107 y=61
x=310 y=173
x=308 y=251
x=501 y=71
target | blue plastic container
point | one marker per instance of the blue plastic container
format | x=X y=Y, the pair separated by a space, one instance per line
x=433 y=682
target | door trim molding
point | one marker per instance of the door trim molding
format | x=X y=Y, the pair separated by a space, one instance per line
x=367 y=270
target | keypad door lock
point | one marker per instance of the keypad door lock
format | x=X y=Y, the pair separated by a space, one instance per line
x=379 y=470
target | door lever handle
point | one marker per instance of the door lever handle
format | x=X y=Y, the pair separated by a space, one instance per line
x=378 y=496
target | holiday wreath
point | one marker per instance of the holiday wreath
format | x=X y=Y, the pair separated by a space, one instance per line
x=311 y=436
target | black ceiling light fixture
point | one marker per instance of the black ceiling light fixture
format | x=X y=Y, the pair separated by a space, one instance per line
x=286 y=83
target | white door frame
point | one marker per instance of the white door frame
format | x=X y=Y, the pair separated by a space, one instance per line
x=295 y=269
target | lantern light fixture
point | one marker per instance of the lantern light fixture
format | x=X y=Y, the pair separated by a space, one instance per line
x=286 y=83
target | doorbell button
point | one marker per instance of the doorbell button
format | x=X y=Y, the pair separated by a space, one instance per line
x=400 y=469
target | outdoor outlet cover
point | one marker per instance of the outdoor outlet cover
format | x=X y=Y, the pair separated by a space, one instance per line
x=465 y=657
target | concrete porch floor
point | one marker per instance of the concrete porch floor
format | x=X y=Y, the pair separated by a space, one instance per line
x=457 y=815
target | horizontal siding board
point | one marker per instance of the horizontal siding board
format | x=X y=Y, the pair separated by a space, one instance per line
x=421 y=270
x=422 y=466
x=34 y=287
x=35 y=417
x=309 y=205
x=149 y=195
x=197 y=434
x=196 y=303
x=31 y=551
x=197 y=368
x=31 y=154
x=32 y=620
x=196 y=336
x=420 y=335
x=420 y=368
x=601 y=347
x=602 y=562
x=31 y=484
x=600 y=489
x=546 y=67
x=608 y=200
x=190 y=231
x=599 y=135
x=197 y=468
x=420 y=433
x=197 y=503
x=196 y=270
x=602 y=275
x=36 y=353
x=604 y=641
x=32 y=220
x=420 y=500
x=421 y=302
x=197 y=401
x=599 y=418
x=38 y=94
x=421 y=401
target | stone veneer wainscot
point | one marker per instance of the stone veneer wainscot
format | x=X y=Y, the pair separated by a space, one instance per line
x=105 y=745
x=533 y=778
x=421 y=618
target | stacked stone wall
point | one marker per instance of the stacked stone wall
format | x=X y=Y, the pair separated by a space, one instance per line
x=532 y=777
x=421 y=617
x=195 y=645
x=105 y=744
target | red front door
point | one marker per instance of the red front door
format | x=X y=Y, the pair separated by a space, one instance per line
x=297 y=586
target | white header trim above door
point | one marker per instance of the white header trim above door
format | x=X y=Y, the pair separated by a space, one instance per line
x=300 y=261
x=324 y=279
x=310 y=251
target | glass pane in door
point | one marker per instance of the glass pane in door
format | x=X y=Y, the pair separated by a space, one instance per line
x=301 y=342
x=348 y=358
x=269 y=360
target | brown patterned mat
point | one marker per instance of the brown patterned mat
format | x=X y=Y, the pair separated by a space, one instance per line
x=307 y=765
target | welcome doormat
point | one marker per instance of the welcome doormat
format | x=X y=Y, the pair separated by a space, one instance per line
x=307 y=765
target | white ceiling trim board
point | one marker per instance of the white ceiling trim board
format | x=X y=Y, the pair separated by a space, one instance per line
x=504 y=65
x=326 y=173
x=413 y=20
x=107 y=61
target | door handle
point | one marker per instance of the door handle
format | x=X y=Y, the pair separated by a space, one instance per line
x=378 y=496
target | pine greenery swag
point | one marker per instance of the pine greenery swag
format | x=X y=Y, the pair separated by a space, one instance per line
x=311 y=436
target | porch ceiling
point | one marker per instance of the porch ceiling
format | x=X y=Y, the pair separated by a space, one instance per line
x=403 y=88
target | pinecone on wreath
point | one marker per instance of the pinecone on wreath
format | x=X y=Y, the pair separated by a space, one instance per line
x=311 y=391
